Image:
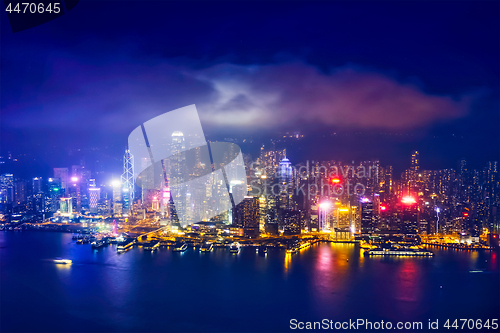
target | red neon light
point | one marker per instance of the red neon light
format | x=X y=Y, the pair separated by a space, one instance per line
x=335 y=180
x=382 y=207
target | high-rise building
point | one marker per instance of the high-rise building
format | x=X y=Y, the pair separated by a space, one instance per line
x=409 y=216
x=177 y=172
x=7 y=188
x=20 y=191
x=128 y=181
x=62 y=174
x=94 y=197
x=117 y=197
x=66 y=206
x=246 y=215
x=37 y=185
x=367 y=223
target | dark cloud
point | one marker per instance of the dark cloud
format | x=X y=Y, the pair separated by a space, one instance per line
x=119 y=96
x=279 y=95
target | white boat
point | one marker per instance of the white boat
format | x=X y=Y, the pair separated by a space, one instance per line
x=235 y=248
x=207 y=247
x=63 y=261
x=181 y=248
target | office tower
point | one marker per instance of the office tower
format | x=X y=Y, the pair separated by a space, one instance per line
x=343 y=218
x=128 y=181
x=415 y=162
x=409 y=216
x=285 y=171
x=285 y=177
x=117 y=197
x=177 y=169
x=66 y=206
x=37 y=185
x=20 y=191
x=94 y=197
x=324 y=210
x=367 y=225
x=271 y=215
x=54 y=188
x=126 y=200
x=38 y=202
x=7 y=188
x=75 y=191
x=62 y=174
x=385 y=217
x=76 y=171
x=246 y=214
x=292 y=222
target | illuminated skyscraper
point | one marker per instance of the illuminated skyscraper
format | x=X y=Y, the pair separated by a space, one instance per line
x=37 y=185
x=94 y=196
x=62 y=174
x=20 y=191
x=6 y=188
x=367 y=225
x=409 y=215
x=128 y=175
x=177 y=170
x=324 y=216
x=285 y=175
x=246 y=216
x=117 y=197
x=66 y=206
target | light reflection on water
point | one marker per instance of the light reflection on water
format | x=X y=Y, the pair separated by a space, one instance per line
x=166 y=289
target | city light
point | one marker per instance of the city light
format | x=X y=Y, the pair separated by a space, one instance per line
x=383 y=207
x=408 y=200
x=116 y=183
x=74 y=179
x=335 y=180
x=365 y=200
x=325 y=205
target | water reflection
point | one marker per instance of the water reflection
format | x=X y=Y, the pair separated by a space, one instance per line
x=288 y=261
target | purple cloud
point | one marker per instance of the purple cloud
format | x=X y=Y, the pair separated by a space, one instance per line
x=265 y=96
x=116 y=97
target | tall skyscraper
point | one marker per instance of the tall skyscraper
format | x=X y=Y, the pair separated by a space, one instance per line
x=128 y=181
x=117 y=197
x=94 y=196
x=37 y=185
x=177 y=169
x=285 y=175
x=62 y=174
x=247 y=216
x=20 y=190
x=409 y=216
x=7 y=188
x=367 y=223
x=66 y=206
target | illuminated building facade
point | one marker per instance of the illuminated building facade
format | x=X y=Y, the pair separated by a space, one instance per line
x=94 y=197
x=66 y=206
x=128 y=181
x=62 y=174
x=367 y=217
x=7 y=188
x=246 y=216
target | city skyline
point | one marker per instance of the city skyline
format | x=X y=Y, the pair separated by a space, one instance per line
x=249 y=166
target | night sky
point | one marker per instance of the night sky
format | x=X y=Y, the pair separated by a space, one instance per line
x=359 y=79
